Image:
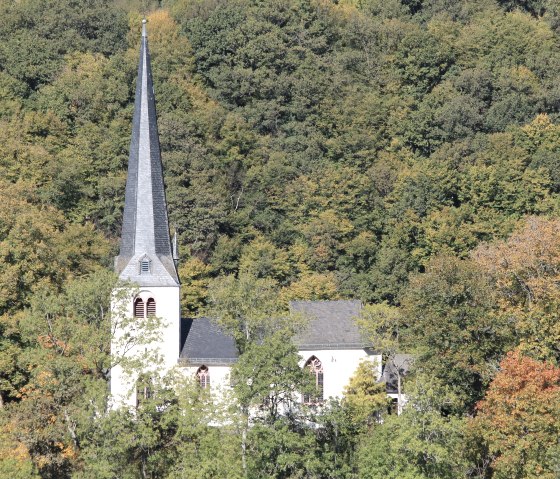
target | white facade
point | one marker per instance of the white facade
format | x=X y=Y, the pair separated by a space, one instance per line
x=339 y=365
x=220 y=377
x=131 y=335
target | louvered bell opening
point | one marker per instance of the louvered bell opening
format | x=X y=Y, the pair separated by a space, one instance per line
x=144 y=266
x=151 y=307
x=139 y=308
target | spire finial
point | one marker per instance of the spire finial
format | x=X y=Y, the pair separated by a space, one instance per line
x=144 y=21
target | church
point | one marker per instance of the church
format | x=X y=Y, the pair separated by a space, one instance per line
x=331 y=345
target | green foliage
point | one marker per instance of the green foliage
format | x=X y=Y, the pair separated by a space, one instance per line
x=203 y=449
x=268 y=386
x=280 y=451
x=66 y=364
x=312 y=150
x=267 y=376
x=454 y=328
x=194 y=276
x=364 y=397
x=396 y=123
x=35 y=35
x=420 y=444
x=134 y=444
x=247 y=307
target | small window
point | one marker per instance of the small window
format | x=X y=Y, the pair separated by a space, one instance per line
x=151 y=306
x=145 y=266
x=144 y=390
x=203 y=377
x=315 y=368
x=393 y=407
x=139 y=308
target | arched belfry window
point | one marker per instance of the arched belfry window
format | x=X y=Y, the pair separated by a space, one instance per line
x=203 y=377
x=151 y=307
x=139 y=308
x=315 y=368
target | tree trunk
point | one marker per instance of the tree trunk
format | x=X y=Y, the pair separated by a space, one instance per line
x=144 y=475
x=244 y=445
x=399 y=394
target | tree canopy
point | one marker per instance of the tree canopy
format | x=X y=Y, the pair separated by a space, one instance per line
x=404 y=153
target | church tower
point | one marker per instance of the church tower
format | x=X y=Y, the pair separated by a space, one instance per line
x=146 y=257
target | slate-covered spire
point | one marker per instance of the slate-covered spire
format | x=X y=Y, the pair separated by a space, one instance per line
x=145 y=255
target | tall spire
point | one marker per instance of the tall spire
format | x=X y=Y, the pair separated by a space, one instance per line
x=145 y=255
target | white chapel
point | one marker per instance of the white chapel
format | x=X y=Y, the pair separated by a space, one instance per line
x=331 y=345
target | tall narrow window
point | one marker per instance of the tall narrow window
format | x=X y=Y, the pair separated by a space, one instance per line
x=393 y=407
x=139 y=308
x=144 y=389
x=315 y=368
x=151 y=306
x=203 y=377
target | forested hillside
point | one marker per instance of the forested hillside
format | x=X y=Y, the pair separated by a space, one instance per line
x=405 y=153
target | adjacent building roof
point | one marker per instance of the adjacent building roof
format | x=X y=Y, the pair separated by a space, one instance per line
x=145 y=229
x=331 y=324
x=206 y=343
x=399 y=363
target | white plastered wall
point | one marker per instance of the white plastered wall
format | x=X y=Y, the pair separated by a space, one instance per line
x=219 y=377
x=339 y=365
x=401 y=402
x=123 y=385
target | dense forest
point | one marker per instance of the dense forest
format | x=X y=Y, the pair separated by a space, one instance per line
x=405 y=153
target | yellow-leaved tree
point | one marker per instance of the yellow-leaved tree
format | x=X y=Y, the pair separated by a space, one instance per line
x=526 y=271
x=365 y=396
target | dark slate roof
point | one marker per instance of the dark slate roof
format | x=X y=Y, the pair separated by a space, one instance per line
x=206 y=343
x=145 y=229
x=401 y=361
x=331 y=325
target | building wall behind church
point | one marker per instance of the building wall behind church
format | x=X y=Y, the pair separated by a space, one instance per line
x=220 y=381
x=339 y=365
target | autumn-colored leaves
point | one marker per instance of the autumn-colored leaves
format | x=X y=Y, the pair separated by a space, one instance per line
x=519 y=418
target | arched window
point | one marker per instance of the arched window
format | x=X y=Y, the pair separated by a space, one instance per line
x=139 y=308
x=203 y=377
x=315 y=368
x=151 y=306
